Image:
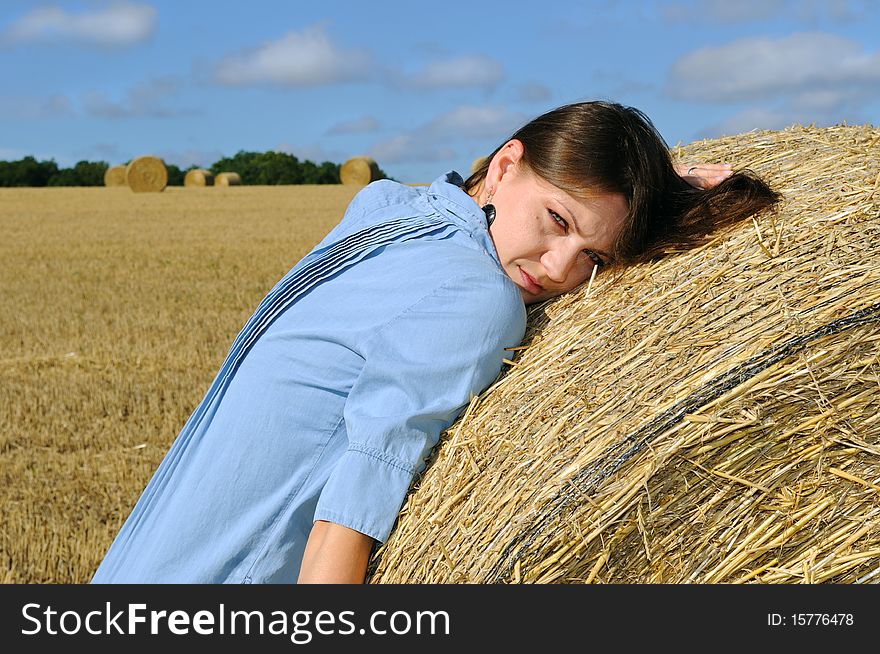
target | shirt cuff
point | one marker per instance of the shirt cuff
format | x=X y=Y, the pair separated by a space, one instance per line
x=365 y=491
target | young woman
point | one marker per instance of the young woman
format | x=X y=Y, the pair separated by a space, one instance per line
x=334 y=393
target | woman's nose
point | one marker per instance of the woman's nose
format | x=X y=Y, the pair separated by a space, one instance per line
x=558 y=263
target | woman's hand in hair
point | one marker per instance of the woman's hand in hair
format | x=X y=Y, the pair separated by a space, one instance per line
x=702 y=175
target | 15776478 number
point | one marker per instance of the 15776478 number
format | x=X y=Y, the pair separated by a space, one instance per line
x=821 y=619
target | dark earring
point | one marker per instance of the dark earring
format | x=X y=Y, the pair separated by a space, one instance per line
x=489 y=210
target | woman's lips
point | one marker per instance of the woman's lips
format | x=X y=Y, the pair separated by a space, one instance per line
x=529 y=283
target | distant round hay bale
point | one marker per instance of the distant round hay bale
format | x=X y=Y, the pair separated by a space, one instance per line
x=198 y=177
x=359 y=171
x=227 y=179
x=115 y=176
x=477 y=163
x=711 y=417
x=146 y=174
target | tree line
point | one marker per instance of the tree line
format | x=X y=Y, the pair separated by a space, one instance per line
x=253 y=167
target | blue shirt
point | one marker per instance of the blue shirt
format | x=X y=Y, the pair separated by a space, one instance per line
x=333 y=394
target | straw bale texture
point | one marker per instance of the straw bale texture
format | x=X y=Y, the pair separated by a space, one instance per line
x=713 y=417
x=227 y=179
x=146 y=174
x=359 y=170
x=114 y=176
x=198 y=177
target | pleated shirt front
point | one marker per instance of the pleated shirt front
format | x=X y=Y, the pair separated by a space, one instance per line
x=333 y=394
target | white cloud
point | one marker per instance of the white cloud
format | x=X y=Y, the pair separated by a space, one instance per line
x=434 y=140
x=107 y=151
x=836 y=10
x=313 y=152
x=534 y=92
x=97 y=104
x=147 y=99
x=762 y=68
x=745 y=11
x=25 y=108
x=193 y=157
x=306 y=58
x=723 y=11
x=363 y=125
x=822 y=99
x=474 y=71
x=777 y=118
x=748 y=120
x=120 y=24
x=620 y=84
x=474 y=122
x=410 y=147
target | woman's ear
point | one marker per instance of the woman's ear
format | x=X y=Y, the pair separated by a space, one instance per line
x=505 y=160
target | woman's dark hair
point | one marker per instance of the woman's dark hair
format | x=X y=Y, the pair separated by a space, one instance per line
x=605 y=147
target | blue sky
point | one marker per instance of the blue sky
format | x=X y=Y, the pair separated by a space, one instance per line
x=423 y=87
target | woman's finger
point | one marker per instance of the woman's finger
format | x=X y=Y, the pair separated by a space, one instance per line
x=705 y=170
x=704 y=175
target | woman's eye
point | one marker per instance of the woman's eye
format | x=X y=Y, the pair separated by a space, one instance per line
x=595 y=258
x=559 y=219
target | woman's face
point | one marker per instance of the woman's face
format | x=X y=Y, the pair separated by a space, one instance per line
x=547 y=240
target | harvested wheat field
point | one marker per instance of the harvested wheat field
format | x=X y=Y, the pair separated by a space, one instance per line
x=117 y=311
x=713 y=417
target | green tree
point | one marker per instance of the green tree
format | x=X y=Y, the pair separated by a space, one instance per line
x=64 y=177
x=326 y=173
x=175 y=174
x=277 y=168
x=84 y=173
x=27 y=172
x=253 y=167
x=242 y=163
x=382 y=175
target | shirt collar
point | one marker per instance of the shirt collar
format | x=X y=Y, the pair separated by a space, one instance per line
x=447 y=195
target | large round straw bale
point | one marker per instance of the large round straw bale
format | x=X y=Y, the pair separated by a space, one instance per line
x=711 y=417
x=359 y=171
x=227 y=179
x=114 y=176
x=477 y=163
x=198 y=177
x=146 y=174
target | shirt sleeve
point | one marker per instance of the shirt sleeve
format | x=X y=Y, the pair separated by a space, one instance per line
x=420 y=371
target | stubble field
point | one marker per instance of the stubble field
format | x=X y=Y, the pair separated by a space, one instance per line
x=117 y=309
